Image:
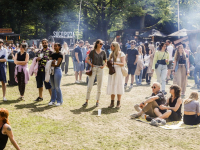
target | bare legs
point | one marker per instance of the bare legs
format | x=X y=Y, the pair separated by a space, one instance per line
x=127 y=78
x=162 y=116
x=76 y=75
x=3 y=88
x=41 y=91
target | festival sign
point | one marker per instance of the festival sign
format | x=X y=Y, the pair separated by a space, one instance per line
x=5 y=30
x=63 y=34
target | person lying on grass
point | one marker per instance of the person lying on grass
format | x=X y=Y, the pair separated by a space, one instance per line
x=5 y=130
x=172 y=109
x=147 y=107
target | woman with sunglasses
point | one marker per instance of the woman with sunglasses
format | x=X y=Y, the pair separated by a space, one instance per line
x=180 y=69
x=161 y=61
x=116 y=81
x=98 y=57
x=172 y=109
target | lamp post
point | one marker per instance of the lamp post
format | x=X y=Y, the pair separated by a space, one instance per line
x=79 y=20
x=178 y=17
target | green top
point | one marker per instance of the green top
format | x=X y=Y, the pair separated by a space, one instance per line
x=158 y=56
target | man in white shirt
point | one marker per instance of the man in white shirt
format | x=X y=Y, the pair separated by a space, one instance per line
x=170 y=65
x=3 y=59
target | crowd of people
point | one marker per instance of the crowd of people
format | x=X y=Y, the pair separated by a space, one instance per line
x=141 y=60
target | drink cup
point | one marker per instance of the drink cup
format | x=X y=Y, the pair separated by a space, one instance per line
x=99 y=112
x=56 y=62
x=41 y=55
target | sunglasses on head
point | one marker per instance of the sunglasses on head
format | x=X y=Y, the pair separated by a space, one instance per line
x=132 y=44
x=101 y=43
x=153 y=87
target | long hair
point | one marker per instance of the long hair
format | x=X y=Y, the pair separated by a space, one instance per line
x=65 y=45
x=4 y=114
x=116 y=51
x=193 y=96
x=161 y=46
x=141 y=50
x=177 y=90
x=97 y=42
x=177 y=54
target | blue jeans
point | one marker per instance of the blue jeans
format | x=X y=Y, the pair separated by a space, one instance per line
x=55 y=83
x=139 y=81
x=196 y=70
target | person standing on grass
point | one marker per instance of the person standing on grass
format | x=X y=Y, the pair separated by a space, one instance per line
x=140 y=66
x=78 y=61
x=97 y=56
x=116 y=81
x=5 y=130
x=162 y=59
x=180 y=69
x=3 y=59
x=21 y=69
x=42 y=58
x=131 y=59
x=197 y=68
x=148 y=58
x=55 y=79
x=65 y=63
x=170 y=65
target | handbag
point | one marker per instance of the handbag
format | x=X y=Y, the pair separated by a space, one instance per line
x=111 y=66
x=124 y=71
x=156 y=65
x=89 y=72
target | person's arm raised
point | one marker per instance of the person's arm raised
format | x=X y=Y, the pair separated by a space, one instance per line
x=10 y=135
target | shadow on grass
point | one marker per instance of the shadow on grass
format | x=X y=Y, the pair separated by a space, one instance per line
x=82 y=109
x=34 y=107
x=8 y=102
x=106 y=111
x=69 y=84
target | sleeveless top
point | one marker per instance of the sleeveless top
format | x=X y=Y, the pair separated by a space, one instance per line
x=3 y=139
x=172 y=104
x=21 y=57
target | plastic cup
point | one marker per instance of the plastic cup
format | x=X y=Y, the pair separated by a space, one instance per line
x=56 y=62
x=99 y=112
x=41 y=55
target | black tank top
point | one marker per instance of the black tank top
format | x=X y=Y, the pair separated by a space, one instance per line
x=3 y=139
x=172 y=104
x=21 y=57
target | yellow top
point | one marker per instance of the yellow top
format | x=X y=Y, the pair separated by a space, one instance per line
x=159 y=56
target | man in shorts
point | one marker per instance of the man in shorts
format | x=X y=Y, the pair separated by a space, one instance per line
x=78 y=62
x=42 y=58
x=131 y=59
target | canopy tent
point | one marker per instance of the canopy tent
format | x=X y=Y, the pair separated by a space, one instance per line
x=152 y=33
x=184 y=32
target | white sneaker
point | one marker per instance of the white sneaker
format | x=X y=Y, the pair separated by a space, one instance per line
x=77 y=81
x=131 y=86
x=51 y=103
x=58 y=104
x=81 y=81
x=4 y=99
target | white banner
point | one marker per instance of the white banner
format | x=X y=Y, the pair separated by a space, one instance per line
x=62 y=34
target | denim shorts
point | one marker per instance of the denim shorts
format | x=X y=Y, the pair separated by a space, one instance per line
x=78 y=66
x=40 y=79
x=131 y=68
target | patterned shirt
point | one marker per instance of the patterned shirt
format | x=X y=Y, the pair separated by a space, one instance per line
x=44 y=60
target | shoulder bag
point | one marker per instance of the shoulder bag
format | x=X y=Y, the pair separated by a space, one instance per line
x=156 y=65
x=89 y=72
x=124 y=70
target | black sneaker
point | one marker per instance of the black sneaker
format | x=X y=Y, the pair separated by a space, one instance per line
x=97 y=104
x=85 y=104
x=39 y=99
x=148 y=118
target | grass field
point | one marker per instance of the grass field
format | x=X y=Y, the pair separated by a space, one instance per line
x=37 y=126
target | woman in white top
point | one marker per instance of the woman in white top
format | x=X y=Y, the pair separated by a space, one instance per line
x=148 y=59
x=140 y=65
x=116 y=81
x=65 y=63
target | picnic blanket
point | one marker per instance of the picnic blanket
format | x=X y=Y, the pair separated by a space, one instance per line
x=171 y=125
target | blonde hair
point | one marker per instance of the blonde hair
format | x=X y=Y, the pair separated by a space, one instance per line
x=116 y=51
x=193 y=96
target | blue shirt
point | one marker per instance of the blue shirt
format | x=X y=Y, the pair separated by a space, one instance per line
x=80 y=54
x=132 y=53
x=128 y=46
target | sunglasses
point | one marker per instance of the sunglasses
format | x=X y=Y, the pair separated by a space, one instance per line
x=132 y=44
x=153 y=87
x=101 y=43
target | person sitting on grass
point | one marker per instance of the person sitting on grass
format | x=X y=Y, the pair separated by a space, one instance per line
x=147 y=107
x=191 y=110
x=5 y=130
x=173 y=111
